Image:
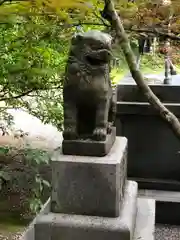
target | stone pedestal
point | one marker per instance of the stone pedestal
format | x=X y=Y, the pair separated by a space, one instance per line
x=89 y=185
x=89 y=147
x=91 y=198
x=56 y=226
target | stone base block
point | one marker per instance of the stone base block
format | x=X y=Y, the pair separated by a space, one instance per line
x=167 y=205
x=89 y=185
x=89 y=147
x=78 y=227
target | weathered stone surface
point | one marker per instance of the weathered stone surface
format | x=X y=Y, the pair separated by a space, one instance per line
x=152 y=164
x=145 y=220
x=89 y=99
x=89 y=147
x=144 y=227
x=78 y=227
x=167 y=205
x=89 y=185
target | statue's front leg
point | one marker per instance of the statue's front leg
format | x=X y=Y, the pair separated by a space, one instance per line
x=102 y=111
x=112 y=109
x=114 y=106
x=70 y=120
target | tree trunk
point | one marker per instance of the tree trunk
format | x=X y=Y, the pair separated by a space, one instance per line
x=116 y=23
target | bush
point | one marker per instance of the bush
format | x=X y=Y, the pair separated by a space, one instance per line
x=24 y=178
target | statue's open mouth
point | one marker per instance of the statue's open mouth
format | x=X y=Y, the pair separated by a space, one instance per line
x=98 y=58
x=95 y=61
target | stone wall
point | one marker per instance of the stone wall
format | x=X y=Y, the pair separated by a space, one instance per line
x=153 y=149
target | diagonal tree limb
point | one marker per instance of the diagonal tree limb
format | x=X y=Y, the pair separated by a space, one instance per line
x=17 y=96
x=116 y=23
x=155 y=32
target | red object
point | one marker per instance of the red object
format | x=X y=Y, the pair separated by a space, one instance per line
x=164 y=50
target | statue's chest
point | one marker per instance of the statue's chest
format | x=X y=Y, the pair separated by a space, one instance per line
x=87 y=81
x=92 y=85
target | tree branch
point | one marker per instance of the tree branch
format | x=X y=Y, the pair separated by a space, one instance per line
x=17 y=96
x=101 y=19
x=156 y=32
x=153 y=31
x=116 y=23
x=3 y=1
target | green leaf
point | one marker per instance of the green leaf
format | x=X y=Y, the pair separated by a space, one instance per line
x=35 y=205
x=5 y=176
x=4 y=150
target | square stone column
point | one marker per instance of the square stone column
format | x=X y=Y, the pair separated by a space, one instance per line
x=91 y=186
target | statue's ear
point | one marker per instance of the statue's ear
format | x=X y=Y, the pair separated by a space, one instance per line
x=77 y=38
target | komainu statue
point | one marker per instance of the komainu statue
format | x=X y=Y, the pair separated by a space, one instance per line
x=89 y=100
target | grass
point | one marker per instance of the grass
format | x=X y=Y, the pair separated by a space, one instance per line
x=10 y=230
x=11 y=227
x=159 y=70
x=8 y=227
x=118 y=74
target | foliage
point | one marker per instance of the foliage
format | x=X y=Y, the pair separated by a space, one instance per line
x=34 y=158
x=152 y=62
x=32 y=62
x=34 y=45
x=149 y=13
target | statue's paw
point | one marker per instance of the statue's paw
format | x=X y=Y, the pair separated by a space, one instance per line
x=99 y=134
x=70 y=133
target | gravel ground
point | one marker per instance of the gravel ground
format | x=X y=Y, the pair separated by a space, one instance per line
x=167 y=232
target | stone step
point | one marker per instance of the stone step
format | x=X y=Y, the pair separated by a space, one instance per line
x=145 y=221
x=48 y=225
x=167 y=205
x=76 y=227
x=159 y=195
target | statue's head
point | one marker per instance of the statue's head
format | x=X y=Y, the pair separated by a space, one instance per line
x=94 y=46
